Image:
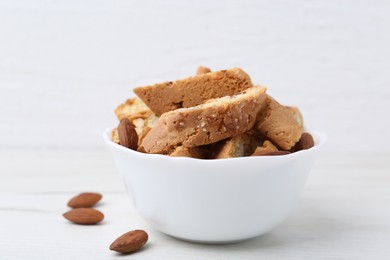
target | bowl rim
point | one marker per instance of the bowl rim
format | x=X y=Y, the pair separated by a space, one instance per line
x=319 y=138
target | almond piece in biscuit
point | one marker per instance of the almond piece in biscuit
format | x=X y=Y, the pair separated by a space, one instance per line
x=193 y=152
x=278 y=124
x=208 y=123
x=193 y=91
x=237 y=146
x=266 y=148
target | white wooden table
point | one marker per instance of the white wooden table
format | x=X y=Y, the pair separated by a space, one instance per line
x=344 y=212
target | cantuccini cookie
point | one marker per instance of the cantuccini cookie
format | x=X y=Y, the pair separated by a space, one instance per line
x=211 y=115
x=193 y=91
x=278 y=124
x=208 y=123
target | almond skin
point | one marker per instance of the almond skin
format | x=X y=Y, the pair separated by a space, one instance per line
x=84 y=216
x=85 y=200
x=130 y=241
x=127 y=135
x=306 y=142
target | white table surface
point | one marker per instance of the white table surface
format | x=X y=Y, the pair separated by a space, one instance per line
x=344 y=212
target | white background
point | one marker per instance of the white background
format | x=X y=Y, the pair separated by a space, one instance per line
x=65 y=65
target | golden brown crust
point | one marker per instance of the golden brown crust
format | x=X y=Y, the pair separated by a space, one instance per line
x=278 y=124
x=193 y=91
x=208 y=123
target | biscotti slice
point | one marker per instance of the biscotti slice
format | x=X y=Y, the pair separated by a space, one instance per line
x=278 y=124
x=138 y=113
x=208 y=123
x=237 y=146
x=193 y=91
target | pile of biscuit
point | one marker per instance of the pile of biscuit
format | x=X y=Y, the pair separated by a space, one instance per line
x=211 y=115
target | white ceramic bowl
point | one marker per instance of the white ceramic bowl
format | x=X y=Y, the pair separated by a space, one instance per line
x=214 y=201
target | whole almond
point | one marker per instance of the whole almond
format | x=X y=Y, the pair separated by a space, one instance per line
x=84 y=200
x=84 y=216
x=127 y=135
x=306 y=142
x=130 y=241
